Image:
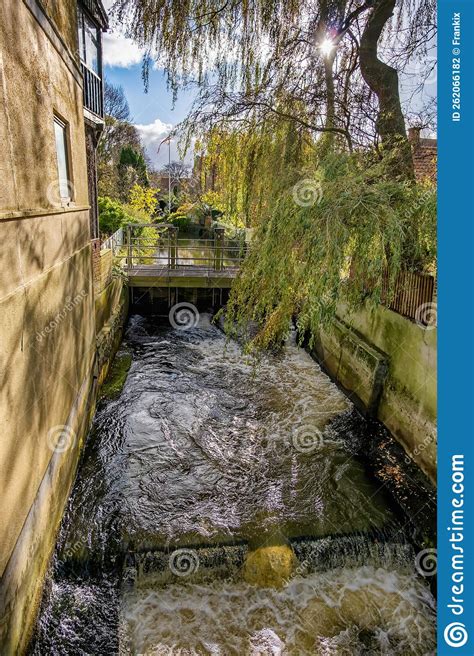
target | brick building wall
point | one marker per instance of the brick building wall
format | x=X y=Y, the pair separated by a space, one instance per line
x=425 y=153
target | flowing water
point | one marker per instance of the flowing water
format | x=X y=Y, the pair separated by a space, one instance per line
x=220 y=508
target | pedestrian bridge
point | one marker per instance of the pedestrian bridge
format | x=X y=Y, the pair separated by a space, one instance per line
x=154 y=255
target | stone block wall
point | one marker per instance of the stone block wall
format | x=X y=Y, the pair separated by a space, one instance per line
x=387 y=363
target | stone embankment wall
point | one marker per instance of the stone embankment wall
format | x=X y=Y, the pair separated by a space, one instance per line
x=23 y=575
x=387 y=364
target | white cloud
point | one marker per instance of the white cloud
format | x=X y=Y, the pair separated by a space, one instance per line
x=152 y=135
x=120 y=51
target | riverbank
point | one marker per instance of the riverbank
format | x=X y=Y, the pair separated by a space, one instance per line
x=387 y=365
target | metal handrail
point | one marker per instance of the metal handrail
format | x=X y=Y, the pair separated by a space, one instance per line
x=114 y=241
x=163 y=250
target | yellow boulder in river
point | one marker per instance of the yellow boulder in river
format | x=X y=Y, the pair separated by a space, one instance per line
x=270 y=567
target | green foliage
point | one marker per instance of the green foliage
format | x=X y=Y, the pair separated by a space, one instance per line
x=130 y=157
x=112 y=215
x=143 y=199
x=329 y=230
x=180 y=219
x=147 y=245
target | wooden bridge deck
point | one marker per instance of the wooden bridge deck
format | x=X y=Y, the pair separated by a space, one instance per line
x=189 y=276
x=151 y=255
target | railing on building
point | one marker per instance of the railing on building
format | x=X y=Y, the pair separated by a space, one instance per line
x=411 y=292
x=92 y=91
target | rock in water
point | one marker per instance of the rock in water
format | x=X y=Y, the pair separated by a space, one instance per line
x=270 y=567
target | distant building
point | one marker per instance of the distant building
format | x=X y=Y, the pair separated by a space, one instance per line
x=51 y=115
x=425 y=153
x=164 y=184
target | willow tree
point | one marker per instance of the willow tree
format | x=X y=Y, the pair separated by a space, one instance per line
x=291 y=95
x=325 y=229
x=249 y=54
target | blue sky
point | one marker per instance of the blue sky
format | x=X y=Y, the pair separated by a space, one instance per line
x=146 y=107
x=152 y=113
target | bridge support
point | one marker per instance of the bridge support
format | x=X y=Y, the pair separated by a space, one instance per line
x=218 y=249
x=173 y=246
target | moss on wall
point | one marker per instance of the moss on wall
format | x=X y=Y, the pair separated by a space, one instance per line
x=389 y=364
x=116 y=376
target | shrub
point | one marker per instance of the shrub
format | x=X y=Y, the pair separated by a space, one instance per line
x=112 y=215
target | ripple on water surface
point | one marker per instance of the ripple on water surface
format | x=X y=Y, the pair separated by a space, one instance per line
x=204 y=447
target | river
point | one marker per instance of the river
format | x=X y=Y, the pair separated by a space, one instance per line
x=220 y=508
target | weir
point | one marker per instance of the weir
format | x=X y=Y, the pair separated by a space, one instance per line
x=226 y=509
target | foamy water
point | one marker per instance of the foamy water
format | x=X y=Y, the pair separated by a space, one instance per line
x=345 y=611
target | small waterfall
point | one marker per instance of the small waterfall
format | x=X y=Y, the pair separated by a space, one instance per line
x=202 y=461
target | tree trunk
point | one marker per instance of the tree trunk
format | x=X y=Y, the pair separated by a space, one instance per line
x=383 y=81
x=330 y=93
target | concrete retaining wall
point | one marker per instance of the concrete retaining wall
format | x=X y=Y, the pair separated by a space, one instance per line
x=111 y=311
x=52 y=390
x=388 y=365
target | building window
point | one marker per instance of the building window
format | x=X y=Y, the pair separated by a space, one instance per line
x=65 y=184
x=89 y=42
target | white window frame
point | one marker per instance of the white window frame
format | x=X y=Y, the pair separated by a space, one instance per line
x=65 y=184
